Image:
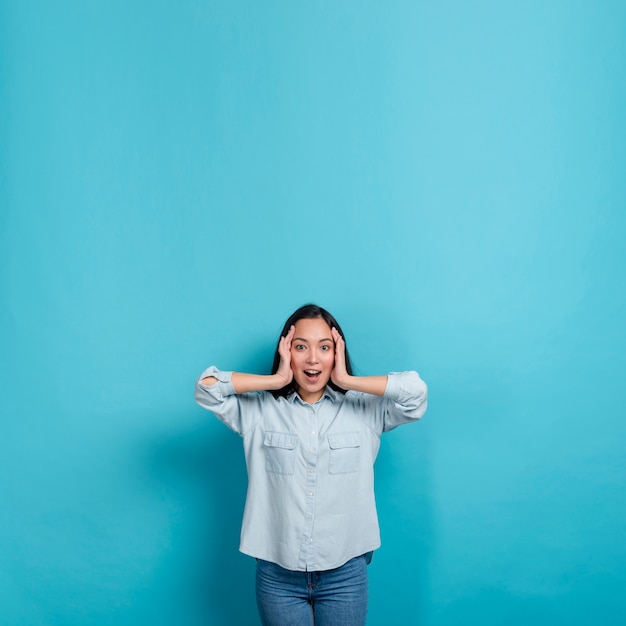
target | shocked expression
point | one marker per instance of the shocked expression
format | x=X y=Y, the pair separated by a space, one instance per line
x=312 y=357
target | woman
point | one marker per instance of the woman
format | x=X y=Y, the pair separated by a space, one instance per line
x=311 y=432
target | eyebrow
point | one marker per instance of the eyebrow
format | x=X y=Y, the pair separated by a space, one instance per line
x=307 y=341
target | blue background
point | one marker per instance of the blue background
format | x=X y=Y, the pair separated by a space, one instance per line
x=448 y=178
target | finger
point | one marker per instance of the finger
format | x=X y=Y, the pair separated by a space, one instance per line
x=289 y=336
x=283 y=348
x=339 y=342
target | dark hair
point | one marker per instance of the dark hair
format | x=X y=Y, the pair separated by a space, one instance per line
x=307 y=312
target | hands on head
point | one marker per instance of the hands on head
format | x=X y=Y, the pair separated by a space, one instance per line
x=339 y=372
x=285 y=372
x=284 y=349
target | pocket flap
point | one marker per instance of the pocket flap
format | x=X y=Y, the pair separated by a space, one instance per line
x=280 y=440
x=344 y=440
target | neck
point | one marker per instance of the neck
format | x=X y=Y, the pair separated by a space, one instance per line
x=310 y=397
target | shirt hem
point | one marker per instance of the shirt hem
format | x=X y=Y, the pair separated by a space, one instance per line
x=256 y=555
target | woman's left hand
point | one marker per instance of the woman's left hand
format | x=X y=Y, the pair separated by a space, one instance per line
x=339 y=374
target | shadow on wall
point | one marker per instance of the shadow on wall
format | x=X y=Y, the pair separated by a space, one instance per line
x=205 y=467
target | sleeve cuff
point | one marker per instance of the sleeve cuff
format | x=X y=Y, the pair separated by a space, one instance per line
x=393 y=385
x=403 y=386
x=224 y=380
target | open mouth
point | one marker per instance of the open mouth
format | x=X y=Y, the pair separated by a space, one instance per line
x=312 y=375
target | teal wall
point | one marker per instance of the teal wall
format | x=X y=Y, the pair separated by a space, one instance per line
x=448 y=178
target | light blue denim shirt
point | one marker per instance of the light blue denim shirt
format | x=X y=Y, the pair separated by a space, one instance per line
x=310 y=503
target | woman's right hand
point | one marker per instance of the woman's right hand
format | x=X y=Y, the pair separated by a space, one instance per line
x=285 y=373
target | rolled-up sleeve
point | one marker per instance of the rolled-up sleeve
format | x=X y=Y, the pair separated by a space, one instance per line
x=407 y=397
x=239 y=412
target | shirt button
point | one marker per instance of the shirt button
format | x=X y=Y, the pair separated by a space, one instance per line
x=310 y=493
x=312 y=432
x=312 y=449
x=309 y=516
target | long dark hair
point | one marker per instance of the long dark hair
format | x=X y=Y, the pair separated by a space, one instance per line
x=308 y=312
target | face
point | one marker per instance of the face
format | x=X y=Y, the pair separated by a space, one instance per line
x=312 y=358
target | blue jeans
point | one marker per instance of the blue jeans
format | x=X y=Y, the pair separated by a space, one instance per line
x=336 y=597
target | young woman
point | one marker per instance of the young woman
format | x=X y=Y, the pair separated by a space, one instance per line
x=311 y=432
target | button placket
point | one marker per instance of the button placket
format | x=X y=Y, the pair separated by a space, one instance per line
x=311 y=484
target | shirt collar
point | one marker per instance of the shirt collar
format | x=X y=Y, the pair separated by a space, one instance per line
x=329 y=393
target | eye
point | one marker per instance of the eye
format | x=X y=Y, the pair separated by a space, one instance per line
x=299 y=346
x=326 y=347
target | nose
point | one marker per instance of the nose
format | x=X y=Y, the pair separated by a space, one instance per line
x=312 y=357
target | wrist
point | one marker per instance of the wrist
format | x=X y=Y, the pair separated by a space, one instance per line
x=279 y=381
x=344 y=381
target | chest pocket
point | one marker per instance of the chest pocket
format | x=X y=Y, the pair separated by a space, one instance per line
x=280 y=452
x=344 y=452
